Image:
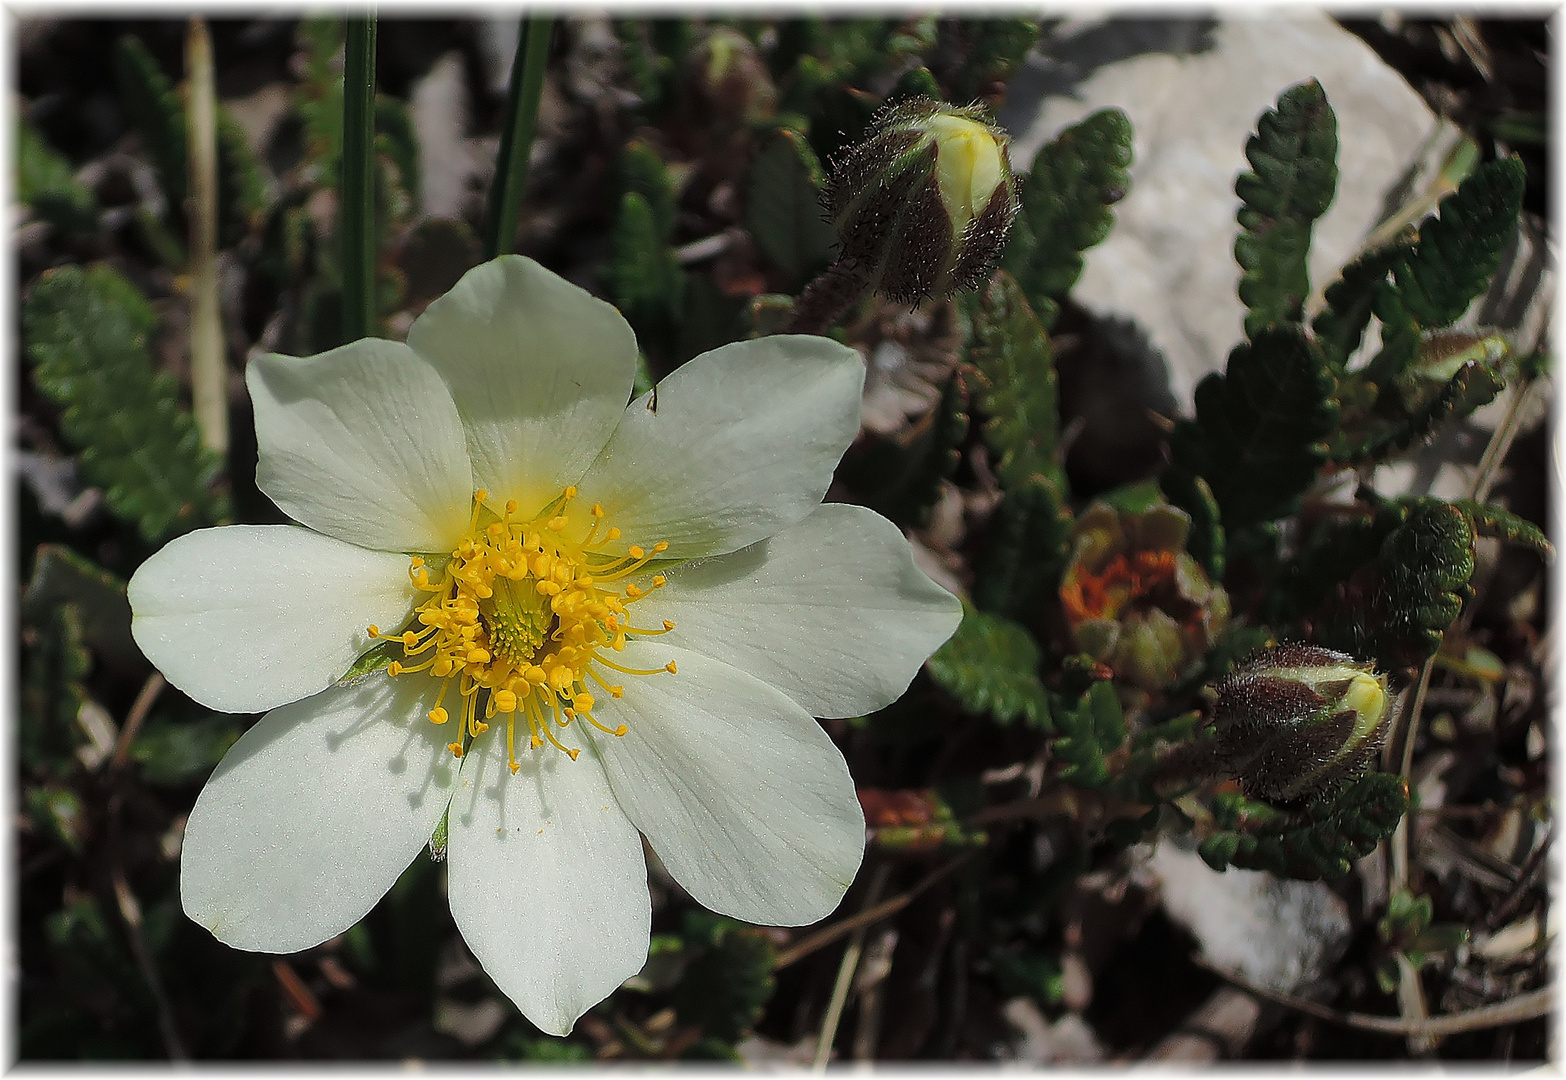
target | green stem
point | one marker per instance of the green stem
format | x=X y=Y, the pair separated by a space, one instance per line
x=516 y=139
x=358 y=180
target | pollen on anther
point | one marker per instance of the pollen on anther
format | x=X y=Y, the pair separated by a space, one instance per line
x=670 y=668
x=455 y=748
x=439 y=715
x=394 y=669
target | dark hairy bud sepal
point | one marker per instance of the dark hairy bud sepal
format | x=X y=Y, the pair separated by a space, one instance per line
x=925 y=203
x=1294 y=720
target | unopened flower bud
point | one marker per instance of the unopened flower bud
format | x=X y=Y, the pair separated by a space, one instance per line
x=1293 y=720
x=925 y=202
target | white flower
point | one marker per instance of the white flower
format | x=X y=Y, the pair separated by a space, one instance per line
x=476 y=496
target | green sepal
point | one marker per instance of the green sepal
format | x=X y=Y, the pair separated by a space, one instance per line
x=439 y=836
x=1293 y=176
x=991 y=665
x=1460 y=248
x=379 y=656
x=86 y=331
x=783 y=206
x=1066 y=207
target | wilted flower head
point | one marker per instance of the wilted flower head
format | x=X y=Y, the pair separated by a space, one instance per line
x=1135 y=599
x=926 y=199
x=567 y=622
x=1292 y=720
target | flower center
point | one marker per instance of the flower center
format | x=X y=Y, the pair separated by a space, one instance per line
x=520 y=618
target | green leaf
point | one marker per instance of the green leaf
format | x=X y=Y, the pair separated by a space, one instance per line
x=86 y=332
x=1491 y=520
x=1350 y=301
x=158 y=116
x=1025 y=549
x=783 y=206
x=1089 y=730
x=46 y=182
x=1418 y=410
x=1257 y=436
x=728 y=981
x=984 y=53
x=1459 y=249
x=643 y=171
x=1066 y=200
x=901 y=479
x=990 y=665
x=241 y=183
x=1008 y=348
x=61 y=576
x=645 y=280
x=1206 y=540
x=1293 y=158
x=1318 y=841
x=176 y=753
x=54 y=665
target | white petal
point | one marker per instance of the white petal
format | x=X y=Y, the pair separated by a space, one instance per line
x=314 y=813
x=540 y=371
x=833 y=611
x=249 y=617
x=742 y=445
x=739 y=791
x=547 y=882
x=362 y=443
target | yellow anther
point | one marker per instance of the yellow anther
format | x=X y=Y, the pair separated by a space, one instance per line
x=570 y=491
x=670 y=668
x=514 y=767
x=659 y=581
x=373 y=630
x=409 y=639
x=598 y=510
x=439 y=715
x=455 y=748
x=632 y=591
x=418 y=561
x=583 y=702
x=637 y=553
x=668 y=624
x=511 y=507
x=480 y=496
x=613 y=534
x=557 y=523
x=394 y=669
x=662 y=545
x=505 y=701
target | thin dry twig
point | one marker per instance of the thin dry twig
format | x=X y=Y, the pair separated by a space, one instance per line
x=821 y=938
x=845 y=974
x=135 y=718
x=1529 y=1006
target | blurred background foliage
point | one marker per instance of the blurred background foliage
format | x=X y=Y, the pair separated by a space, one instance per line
x=678 y=170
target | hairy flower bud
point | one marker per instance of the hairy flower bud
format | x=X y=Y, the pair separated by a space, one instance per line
x=926 y=201
x=1293 y=720
x=1133 y=597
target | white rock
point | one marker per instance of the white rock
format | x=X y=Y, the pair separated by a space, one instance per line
x=1279 y=934
x=1169 y=263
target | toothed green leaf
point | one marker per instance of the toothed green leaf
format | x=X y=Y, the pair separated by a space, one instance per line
x=158 y=116
x=728 y=980
x=53 y=667
x=1460 y=248
x=644 y=278
x=990 y=665
x=1066 y=206
x=1025 y=549
x=1090 y=729
x=1350 y=301
x=641 y=170
x=1293 y=176
x=46 y=182
x=1257 y=436
x=1318 y=841
x=783 y=206
x=86 y=332
x=1015 y=386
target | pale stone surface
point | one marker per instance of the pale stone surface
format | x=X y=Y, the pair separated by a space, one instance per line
x=1279 y=934
x=1193 y=89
